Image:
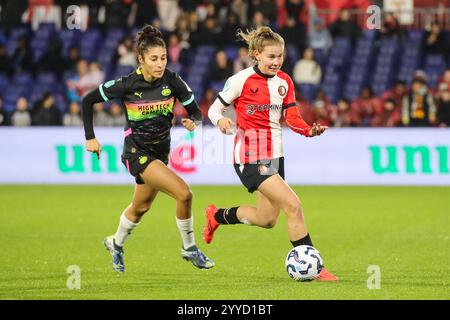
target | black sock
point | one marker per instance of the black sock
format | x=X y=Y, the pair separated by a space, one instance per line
x=306 y=241
x=227 y=216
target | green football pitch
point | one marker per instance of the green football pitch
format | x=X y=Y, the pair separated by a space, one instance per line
x=402 y=232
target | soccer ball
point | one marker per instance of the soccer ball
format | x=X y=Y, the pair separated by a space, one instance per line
x=303 y=263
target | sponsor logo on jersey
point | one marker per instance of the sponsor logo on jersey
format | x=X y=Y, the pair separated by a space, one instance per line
x=251 y=108
x=139 y=94
x=254 y=90
x=282 y=90
x=142 y=110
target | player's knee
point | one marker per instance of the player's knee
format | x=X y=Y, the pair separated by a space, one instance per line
x=269 y=223
x=294 y=208
x=185 y=195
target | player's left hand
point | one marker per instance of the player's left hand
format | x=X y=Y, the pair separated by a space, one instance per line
x=317 y=130
x=188 y=124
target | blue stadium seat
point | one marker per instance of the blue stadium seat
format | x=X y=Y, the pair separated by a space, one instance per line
x=68 y=38
x=123 y=70
x=436 y=60
x=341 y=42
x=47 y=78
x=415 y=35
x=24 y=78
x=175 y=67
x=232 y=52
x=89 y=42
x=308 y=91
x=217 y=85
x=4 y=82
x=293 y=53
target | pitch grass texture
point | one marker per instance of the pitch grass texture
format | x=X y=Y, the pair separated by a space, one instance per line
x=405 y=231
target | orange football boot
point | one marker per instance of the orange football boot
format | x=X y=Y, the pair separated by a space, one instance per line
x=324 y=275
x=211 y=223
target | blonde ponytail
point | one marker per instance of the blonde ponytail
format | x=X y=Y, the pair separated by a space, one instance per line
x=259 y=38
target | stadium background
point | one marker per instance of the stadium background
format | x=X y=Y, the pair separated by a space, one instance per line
x=52 y=53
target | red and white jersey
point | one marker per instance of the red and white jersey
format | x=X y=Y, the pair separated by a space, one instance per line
x=259 y=101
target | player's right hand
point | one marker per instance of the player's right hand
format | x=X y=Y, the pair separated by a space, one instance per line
x=226 y=125
x=317 y=130
x=92 y=145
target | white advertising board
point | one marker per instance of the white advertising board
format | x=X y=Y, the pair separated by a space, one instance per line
x=338 y=157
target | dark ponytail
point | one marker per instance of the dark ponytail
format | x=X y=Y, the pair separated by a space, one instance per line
x=149 y=36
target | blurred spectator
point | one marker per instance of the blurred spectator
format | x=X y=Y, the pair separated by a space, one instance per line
x=267 y=8
x=365 y=107
x=188 y=5
x=294 y=8
x=52 y=60
x=195 y=28
x=73 y=117
x=210 y=11
x=343 y=117
x=344 y=26
x=116 y=13
x=3 y=116
x=70 y=64
x=307 y=70
x=258 y=20
x=418 y=108
x=21 y=117
x=5 y=61
x=47 y=114
x=11 y=13
x=230 y=28
x=293 y=33
x=445 y=79
x=396 y=93
x=209 y=34
x=443 y=103
x=145 y=12
x=72 y=83
x=420 y=75
x=101 y=117
x=126 y=55
x=22 y=59
x=242 y=61
x=117 y=116
x=318 y=36
x=183 y=31
x=389 y=116
x=205 y=103
x=222 y=69
x=88 y=77
x=168 y=12
x=240 y=9
x=434 y=41
x=391 y=27
x=322 y=110
x=176 y=53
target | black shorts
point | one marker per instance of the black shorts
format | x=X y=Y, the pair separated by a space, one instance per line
x=253 y=174
x=136 y=159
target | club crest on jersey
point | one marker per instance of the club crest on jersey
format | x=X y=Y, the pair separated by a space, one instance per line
x=282 y=91
x=166 y=91
x=143 y=159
